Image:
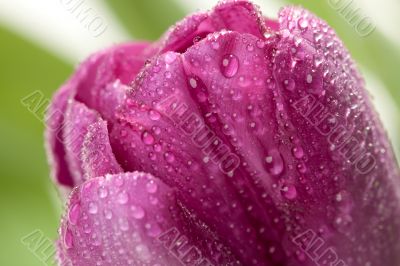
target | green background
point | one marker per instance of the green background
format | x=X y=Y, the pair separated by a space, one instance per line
x=28 y=200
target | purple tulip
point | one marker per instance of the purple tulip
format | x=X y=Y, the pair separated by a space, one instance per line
x=235 y=140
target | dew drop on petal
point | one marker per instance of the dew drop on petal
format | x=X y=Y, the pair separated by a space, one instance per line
x=274 y=162
x=289 y=192
x=68 y=239
x=229 y=65
x=170 y=57
x=137 y=212
x=289 y=84
x=151 y=187
x=169 y=157
x=108 y=214
x=154 y=115
x=103 y=192
x=309 y=78
x=303 y=23
x=74 y=213
x=193 y=83
x=123 y=224
x=93 y=208
x=147 y=138
x=123 y=197
x=298 y=152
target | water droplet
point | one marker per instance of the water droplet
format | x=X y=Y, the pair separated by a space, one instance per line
x=303 y=23
x=260 y=44
x=103 y=192
x=137 y=212
x=274 y=162
x=167 y=74
x=318 y=60
x=74 y=213
x=170 y=57
x=298 y=152
x=108 y=214
x=215 y=45
x=289 y=192
x=151 y=187
x=156 y=130
x=93 y=208
x=157 y=147
x=68 y=239
x=289 y=84
x=268 y=35
x=147 y=138
x=123 y=197
x=123 y=224
x=309 y=78
x=153 y=230
x=169 y=157
x=339 y=197
x=154 y=115
x=193 y=83
x=229 y=65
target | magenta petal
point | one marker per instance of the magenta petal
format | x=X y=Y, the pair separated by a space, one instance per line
x=240 y=16
x=151 y=137
x=78 y=118
x=97 y=156
x=126 y=219
x=100 y=83
x=54 y=137
x=105 y=84
x=262 y=135
x=347 y=170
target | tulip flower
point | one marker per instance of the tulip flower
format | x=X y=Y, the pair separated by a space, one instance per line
x=233 y=140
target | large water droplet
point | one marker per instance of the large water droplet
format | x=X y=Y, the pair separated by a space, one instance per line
x=229 y=65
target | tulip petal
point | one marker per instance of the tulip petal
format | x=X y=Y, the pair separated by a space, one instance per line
x=240 y=16
x=77 y=120
x=54 y=138
x=104 y=85
x=350 y=170
x=100 y=89
x=126 y=219
x=97 y=156
x=151 y=136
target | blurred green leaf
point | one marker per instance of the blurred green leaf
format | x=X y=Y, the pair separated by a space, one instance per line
x=25 y=200
x=147 y=19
